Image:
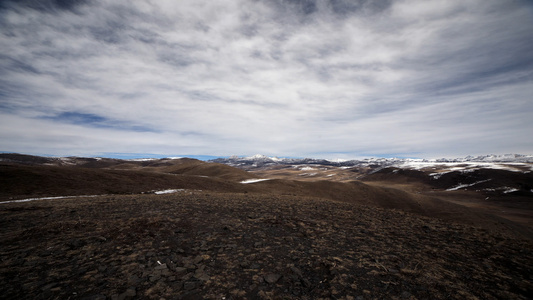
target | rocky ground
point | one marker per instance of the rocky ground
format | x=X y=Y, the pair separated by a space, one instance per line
x=208 y=245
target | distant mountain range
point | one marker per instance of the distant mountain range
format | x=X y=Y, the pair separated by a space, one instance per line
x=258 y=161
x=262 y=160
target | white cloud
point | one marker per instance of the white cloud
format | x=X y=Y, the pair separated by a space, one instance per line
x=243 y=77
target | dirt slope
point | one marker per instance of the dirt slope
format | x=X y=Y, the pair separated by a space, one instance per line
x=18 y=182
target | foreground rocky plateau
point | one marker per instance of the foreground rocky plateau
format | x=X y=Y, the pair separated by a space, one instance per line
x=206 y=245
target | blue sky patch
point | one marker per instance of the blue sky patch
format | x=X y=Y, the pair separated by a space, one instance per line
x=93 y=120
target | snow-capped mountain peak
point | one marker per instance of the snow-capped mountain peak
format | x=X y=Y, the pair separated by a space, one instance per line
x=260 y=160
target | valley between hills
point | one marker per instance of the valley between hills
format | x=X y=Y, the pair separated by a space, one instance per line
x=258 y=228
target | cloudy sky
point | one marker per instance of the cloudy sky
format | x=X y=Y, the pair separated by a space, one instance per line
x=288 y=78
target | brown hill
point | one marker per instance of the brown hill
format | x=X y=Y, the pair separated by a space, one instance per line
x=185 y=166
x=392 y=198
x=20 y=181
x=81 y=176
x=483 y=179
x=190 y=166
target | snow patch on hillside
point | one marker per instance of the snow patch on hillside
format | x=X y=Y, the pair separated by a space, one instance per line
x=462 y=166
x=307 y=169
x=171 y=191
x=461 y=186
x=143 y=159
x=252 y=180
x=48 y=198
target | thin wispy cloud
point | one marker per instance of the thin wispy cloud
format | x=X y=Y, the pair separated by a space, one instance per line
x=287 y=78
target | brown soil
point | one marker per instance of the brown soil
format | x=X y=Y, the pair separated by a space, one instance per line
x=195 y=245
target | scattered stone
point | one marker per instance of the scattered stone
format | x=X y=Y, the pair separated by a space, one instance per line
x=180 y=271
x=198 y=259
x=265 y=295
x=49 y=286
x=128 y=294
x=96 y=297
x=45 y=253
x=201 y=274
x=272 y=278
x=204 y=277
x=306 y=282
x=176 y=286
x=296 y=271
x=239 y=294
x=134 y=279
x=189 y=285
x=254 y=266
x=76 y=243
x=165 y=272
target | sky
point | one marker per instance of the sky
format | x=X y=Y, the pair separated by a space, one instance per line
x=323 y=79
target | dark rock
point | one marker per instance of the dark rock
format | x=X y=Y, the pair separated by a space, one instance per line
x=98 y=239
x=180 y=271
x=131 y=292
x=45 y=253
x=134 y=279
x=189 y=285
x=272 y=278
x=254 y=266
x=306 y=282
x=198 y=259
x=201 y=275
x=165 y=272
x=176 y=286
x=296 y=271
x=76 y=243
x=49 y=286
x=95 y=297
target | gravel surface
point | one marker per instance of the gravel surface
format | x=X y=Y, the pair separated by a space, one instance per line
x=206 y=245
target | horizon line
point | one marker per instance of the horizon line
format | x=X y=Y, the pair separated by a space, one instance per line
x=204 y=157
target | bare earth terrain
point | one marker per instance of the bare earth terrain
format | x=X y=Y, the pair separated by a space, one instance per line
x=217 y=238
